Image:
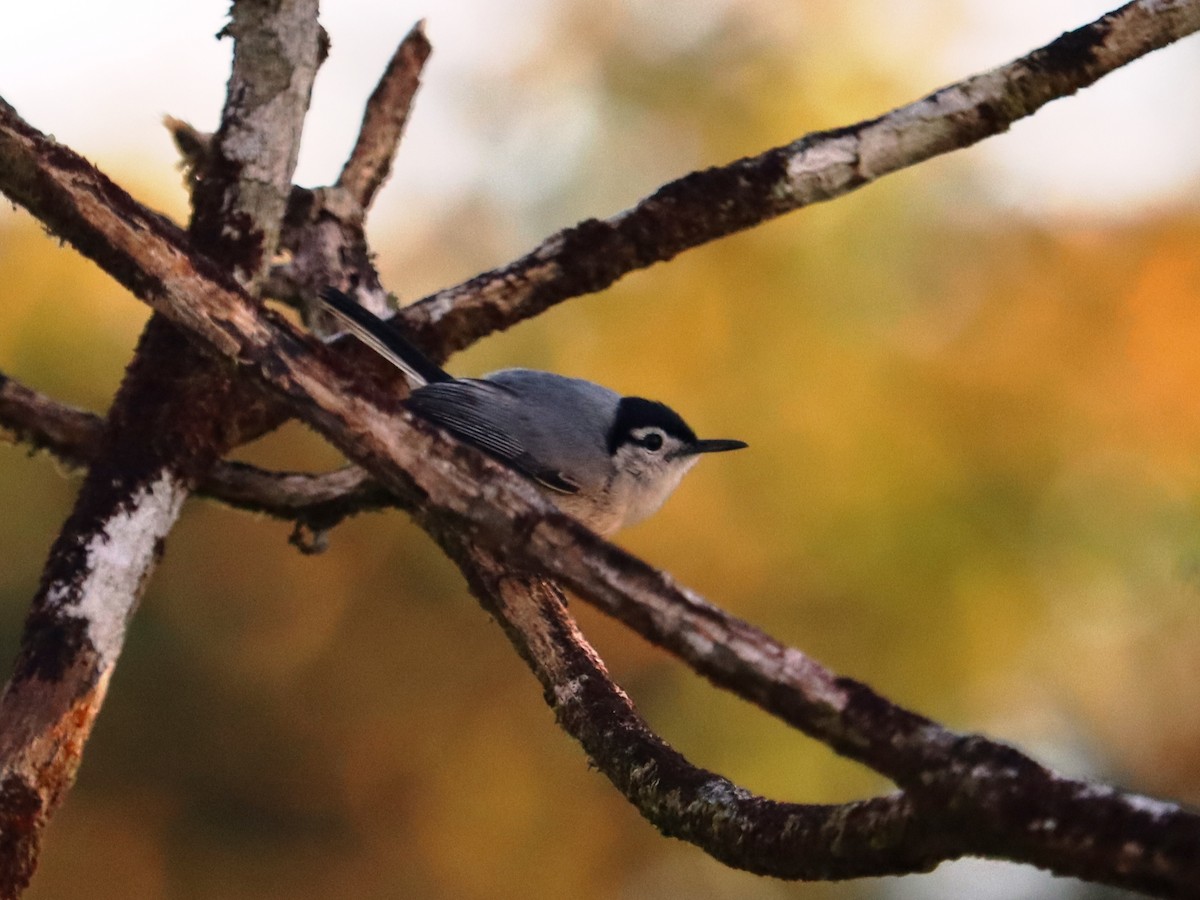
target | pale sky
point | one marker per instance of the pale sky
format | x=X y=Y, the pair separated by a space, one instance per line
x=100 y=76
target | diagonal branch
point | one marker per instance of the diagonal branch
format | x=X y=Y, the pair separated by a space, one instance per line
x=788 y=840
x=885 y=835
x=999 y=800
x=323 y=235
x=1002 y=803
x=710 y=204
x=176 y=412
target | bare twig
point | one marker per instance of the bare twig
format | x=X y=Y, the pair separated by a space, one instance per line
x=74 y=437
x=323 y=230
x=386 y=115
x=322 y=241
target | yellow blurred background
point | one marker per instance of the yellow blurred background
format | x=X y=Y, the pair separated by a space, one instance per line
x=970 y=393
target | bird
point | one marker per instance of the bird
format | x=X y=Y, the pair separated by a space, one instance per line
x=607 y=460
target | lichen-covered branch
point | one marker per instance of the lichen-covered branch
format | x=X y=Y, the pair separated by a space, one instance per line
x=994 y=800
x=786 y=840
x=242 y=192
x=176 y=413
x=325 y=243
x=710 y=204
x=1002 y=803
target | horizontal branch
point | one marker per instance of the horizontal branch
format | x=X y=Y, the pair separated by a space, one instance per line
x=73 y=436
x=710 y=204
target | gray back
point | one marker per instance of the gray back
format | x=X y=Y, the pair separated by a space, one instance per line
x=551 y=428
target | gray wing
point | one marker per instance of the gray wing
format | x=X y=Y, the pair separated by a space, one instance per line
x=479 y=413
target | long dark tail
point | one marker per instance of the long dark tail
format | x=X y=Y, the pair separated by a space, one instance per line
x=383 y=339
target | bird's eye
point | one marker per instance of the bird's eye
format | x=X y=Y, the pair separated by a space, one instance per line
x=653 y=441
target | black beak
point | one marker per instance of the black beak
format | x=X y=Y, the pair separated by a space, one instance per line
x=715 y=446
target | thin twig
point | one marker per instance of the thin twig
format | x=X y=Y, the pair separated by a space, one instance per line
x=31 y=417
x=386 y=115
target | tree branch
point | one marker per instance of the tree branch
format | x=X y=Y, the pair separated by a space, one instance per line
x=72 y=435
x=817 y=165
x=176 y=412
x=323 y=229
x=325 y=242
x=1000 y=799
x=1000 y=802
x=710 y=204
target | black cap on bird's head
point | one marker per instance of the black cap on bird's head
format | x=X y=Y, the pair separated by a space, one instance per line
x=638 y=420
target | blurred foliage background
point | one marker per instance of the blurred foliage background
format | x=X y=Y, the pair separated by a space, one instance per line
x=970 y=393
